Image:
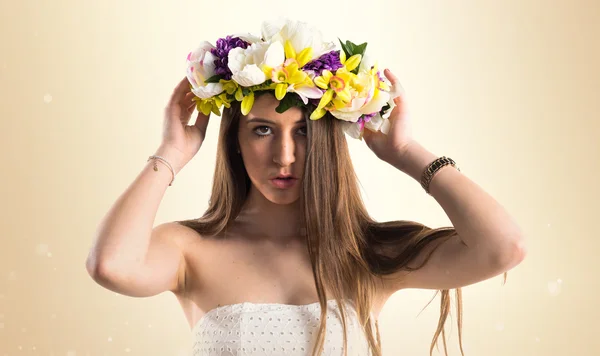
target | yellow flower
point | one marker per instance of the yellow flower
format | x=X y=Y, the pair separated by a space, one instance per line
x=232 y=88
x=247 y=103
x=302 y=58
x=351 y=63
x=338 y=90
x=212 y=104
x=287 y=75
x=380 y=84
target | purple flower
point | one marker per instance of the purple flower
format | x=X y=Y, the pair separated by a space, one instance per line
x=224 y=45
x=364 y=119
x=329 y=61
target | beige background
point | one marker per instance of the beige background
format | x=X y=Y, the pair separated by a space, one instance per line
x=509 y=89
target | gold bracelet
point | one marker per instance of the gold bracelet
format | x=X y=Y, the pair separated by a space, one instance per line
x=164 y=161
x=433 y=168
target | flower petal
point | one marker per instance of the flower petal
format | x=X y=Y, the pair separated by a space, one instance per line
x=209 y=90
x=326 y=98
x=377 y=123
x=251 y=75
x=352 y=129
x=290 y=52
x=353 y=62
x=270 y=28
x=297 y=77
x=248 y=37
x=204 y=106
x=346 y=116
x=247 y=103
x=275 y=55
x=376 y=103
x=280 y=90
x=317 y=114
x=306 y=92
x=305 y=56
x=344 y=95
x=239 y=94
x=236 y=59
x=321 y=82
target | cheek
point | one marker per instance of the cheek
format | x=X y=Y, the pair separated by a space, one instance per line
x=256 y=160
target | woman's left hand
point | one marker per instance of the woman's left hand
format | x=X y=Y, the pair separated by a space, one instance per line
x=393 y=145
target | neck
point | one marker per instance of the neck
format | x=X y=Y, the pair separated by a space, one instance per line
x=276 y=222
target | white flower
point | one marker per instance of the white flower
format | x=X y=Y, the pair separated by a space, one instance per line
x=367 y=101
x=394 y=92
x=366 y=62
x=305 y=92
x=300 y=34
x=352 y=129
x=377 y=123
x=248 y=37
x=201 y=66
x=246 y=64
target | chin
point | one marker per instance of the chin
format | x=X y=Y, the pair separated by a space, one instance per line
x=284 y=199
x=280 y=196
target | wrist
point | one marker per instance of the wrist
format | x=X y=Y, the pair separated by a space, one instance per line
x=172 y=155
x=413 y=160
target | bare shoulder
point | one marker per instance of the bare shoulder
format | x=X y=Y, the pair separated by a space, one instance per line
x=178 y=233
x=183 y=237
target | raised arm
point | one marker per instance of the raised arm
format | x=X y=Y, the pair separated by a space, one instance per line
x=128 y=255
x=488 y=240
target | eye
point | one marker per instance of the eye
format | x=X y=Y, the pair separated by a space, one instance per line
x=259 y=132
x=263 y=131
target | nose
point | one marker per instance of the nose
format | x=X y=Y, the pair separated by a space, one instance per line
x=284 y=150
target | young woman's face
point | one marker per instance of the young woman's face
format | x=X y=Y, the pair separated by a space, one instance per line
x=273 y=144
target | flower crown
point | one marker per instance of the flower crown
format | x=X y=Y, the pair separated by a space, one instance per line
x=292 y=59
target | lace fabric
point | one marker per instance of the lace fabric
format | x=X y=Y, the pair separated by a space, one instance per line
x=276 y=329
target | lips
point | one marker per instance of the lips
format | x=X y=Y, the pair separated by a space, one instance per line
x=285 y=176
x=283 y=183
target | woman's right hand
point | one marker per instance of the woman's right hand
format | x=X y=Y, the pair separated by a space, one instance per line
x=177 y=134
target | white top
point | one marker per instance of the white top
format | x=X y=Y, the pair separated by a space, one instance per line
x=276 y=329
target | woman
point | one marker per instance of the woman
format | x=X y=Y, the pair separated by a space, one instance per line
x=286 y=240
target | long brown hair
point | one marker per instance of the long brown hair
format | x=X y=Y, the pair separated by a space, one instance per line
x=349 y=251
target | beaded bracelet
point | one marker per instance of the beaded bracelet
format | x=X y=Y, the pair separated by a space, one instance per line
x=433 y=168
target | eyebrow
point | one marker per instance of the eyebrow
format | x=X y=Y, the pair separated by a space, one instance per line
x=260 y=119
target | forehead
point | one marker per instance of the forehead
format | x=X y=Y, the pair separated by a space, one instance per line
x=264 y=108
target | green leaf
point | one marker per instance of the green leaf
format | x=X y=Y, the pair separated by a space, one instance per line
x=345 y=48
x=288 y=101
x=351 y=49
x=360 y=49
x=214 y=79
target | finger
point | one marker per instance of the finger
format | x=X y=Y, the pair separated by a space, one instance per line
x=180 y=90
x=190 y=109
x=388 y=74
x=187 y=99
x=202 y=122
x=366 y=134
x=393 y=80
